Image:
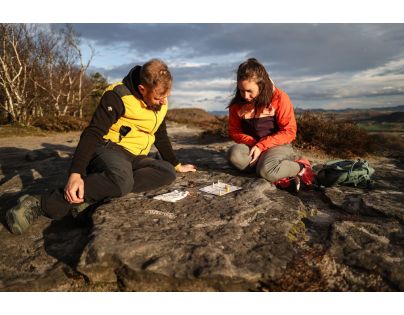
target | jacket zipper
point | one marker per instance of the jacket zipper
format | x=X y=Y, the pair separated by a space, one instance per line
x=155 y=123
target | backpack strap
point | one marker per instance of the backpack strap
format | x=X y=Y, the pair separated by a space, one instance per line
x=363 y=177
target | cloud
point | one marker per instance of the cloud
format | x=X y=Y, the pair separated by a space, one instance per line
x=316 y=64
x=301 y=48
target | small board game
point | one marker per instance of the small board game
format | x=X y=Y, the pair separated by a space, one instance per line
x=220 y=188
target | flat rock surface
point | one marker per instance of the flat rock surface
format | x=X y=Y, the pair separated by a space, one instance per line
x=256 y=239
x=203 y=242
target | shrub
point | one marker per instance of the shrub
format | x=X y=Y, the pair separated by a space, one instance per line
x=61 y=123
x=219 y=131
x=389 y=144
x=18 y=130
x=215 y=128
x=341 y=138
x=193 y=117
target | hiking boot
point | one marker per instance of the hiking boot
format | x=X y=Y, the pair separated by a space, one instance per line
x=282 y=183
x=80 y=208
x=306 y=174
x=294 y=185
x=24 y=213
x=290 y=184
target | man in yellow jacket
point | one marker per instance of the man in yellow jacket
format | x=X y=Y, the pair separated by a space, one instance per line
x=111 y=157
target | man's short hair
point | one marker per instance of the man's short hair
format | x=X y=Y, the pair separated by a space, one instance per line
x=155 y=73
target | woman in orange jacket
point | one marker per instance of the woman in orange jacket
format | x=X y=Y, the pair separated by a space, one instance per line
x=262 y=123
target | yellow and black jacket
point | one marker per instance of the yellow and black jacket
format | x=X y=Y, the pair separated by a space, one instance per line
x=135 y=129
x=123 y=118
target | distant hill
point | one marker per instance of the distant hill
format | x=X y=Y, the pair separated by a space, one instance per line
x=219 y=112
x=193 y=117
x=361 y=113
x=202 y=118
x=376 y=114
x=396 y=117
x=399 y=108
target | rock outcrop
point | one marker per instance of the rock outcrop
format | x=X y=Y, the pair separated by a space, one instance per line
x=203 y=242
x=256 y=239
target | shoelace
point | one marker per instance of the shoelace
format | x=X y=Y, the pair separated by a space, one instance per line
x=34 y=211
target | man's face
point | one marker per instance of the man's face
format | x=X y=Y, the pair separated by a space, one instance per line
x=154 y=98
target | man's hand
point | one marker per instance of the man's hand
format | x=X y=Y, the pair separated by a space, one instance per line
x=255 y=153
x=185 y=168
x=74 y=189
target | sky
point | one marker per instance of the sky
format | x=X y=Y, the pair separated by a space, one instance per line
x=324 y=54
x=329 y=66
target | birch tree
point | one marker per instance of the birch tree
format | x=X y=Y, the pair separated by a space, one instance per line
x=16 y=65
x=42 y=72
x=76 y=78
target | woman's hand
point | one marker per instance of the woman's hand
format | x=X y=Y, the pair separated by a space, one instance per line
x=255 y=153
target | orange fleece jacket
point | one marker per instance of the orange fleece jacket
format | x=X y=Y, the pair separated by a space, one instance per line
x=284 y=117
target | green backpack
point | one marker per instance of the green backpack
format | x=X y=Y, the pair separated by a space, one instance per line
x=345 y=172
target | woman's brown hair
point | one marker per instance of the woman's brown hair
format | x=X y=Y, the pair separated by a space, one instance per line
x=253 y=70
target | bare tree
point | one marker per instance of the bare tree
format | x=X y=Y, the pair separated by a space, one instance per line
x=76 y=78
x=64 y=71
x=15 y=72
x=42 y=72
x=50 y=76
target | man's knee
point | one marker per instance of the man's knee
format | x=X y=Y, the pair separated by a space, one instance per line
x=123 y=181
x=168 y=173
x=162 y=169
x=169 y=177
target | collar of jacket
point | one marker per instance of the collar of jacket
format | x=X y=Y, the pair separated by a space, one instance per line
x=132 y=80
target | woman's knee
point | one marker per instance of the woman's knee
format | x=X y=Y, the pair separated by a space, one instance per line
x=238 y=156
x=269 y=171
x=269 y=175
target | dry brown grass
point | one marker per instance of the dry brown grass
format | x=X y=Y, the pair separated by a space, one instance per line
x=316 y=132
x=15 y=130
x=60 y=124
x=335 y=137
x=192 y=117
x=213 y=126
x=388 y=144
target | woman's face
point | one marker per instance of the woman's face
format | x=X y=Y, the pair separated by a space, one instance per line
x=248 y=90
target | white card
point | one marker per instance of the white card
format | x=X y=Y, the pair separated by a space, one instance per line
x=172 y=196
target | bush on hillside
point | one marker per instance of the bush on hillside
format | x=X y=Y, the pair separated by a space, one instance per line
x=215 y=128
x=61 y=123
x=193 y=117
x=219 y=131
x=389 y=144
x=337 y=137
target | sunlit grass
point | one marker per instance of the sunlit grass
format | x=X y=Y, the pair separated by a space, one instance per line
x=382 y=127
x=21 y=131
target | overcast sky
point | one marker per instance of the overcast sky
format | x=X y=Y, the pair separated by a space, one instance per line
x=319 y=65
x=327 y=66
